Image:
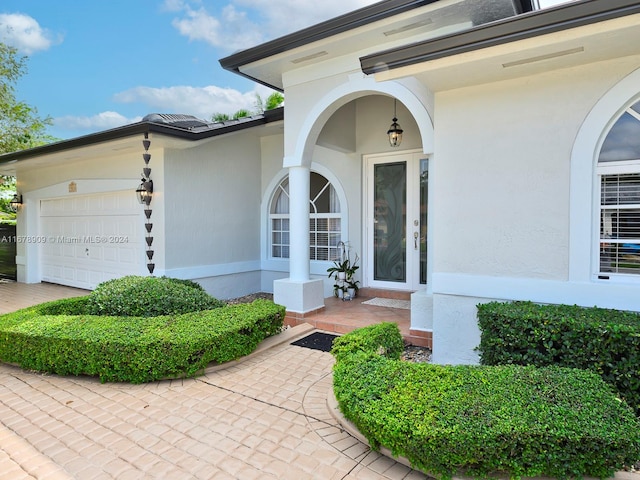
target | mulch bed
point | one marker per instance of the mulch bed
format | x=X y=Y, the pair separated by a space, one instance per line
x=250 y=298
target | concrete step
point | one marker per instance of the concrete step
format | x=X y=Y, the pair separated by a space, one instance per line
x=384 y=293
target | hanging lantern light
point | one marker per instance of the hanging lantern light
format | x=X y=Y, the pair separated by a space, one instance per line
x=395 y=132
x=145 y=191
x=15 y=202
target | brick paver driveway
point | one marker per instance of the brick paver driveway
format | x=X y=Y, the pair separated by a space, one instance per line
x=14 y=295
x=263 y=417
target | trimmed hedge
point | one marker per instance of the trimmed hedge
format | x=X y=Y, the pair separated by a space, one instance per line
x=52 y=338
x=65 y=306
x=606 y=342
x=382 y=338
x=478 y=420
x=136 y=296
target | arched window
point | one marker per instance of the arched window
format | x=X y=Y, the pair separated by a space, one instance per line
x=619 y=179
x=324 y=217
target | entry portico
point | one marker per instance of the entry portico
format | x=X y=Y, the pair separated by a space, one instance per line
x=301 y=293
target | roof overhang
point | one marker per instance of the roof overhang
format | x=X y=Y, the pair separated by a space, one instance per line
x=529 y=25
x=387 y=22
x=566 y=36
x=123 y=139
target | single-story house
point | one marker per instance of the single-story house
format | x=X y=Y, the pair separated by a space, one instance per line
x=517 y=176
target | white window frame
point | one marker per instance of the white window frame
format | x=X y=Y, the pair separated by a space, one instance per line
x=272 y=260
x=603 y=169
x=608 y=169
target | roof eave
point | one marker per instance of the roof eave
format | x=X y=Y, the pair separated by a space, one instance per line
x=349 y=21
x=269 y=116
x=533 y=24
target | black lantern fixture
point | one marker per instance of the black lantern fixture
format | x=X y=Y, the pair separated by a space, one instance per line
x=395 y=132
x=15 y=202
x=145 y=191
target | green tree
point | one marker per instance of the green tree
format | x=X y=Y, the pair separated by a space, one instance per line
x=242 y=113
x=223 y=117
x=275 y=100
x=20 y=125
x=7 y=190
x=220 y=117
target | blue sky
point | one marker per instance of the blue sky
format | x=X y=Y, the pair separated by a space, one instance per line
x=99 y=64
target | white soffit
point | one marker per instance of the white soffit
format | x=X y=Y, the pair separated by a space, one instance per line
x=436 y=19
x=578 y=46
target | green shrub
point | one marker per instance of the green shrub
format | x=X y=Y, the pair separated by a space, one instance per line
x=65 y=306
x=383 y=338
x=477 y=420
x=134 y=296
x=606 y=342
x=135 y=349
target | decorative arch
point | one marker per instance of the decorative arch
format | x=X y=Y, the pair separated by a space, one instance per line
x=584 y=190
x=409 y=94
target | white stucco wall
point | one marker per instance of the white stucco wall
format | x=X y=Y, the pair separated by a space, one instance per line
x=502 y=183
x=212 y=214
x=109 y=167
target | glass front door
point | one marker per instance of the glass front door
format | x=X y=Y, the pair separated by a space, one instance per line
x=397 y=191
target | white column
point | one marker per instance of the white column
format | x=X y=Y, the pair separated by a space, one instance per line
x=299 y=223
x=299 y=293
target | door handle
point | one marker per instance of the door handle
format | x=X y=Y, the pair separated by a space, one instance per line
x=415 y=240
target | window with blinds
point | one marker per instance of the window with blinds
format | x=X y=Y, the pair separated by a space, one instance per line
x=619 y=175
x=620 y=223
x=325 y=220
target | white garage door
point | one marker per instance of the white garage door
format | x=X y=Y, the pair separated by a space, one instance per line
x=88 y=239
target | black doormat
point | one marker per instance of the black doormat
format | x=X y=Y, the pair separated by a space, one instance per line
x=316 y=341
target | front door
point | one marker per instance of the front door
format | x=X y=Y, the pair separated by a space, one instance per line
x=396 y=220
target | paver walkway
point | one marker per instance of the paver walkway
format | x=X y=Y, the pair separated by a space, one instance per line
x=14 y=295
x=263 y=417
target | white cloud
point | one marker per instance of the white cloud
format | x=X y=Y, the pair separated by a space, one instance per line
x=202 y=102
x=25 y=33
x=286 y=16
x=246 y=23
x=101 y=121
x=232 y=30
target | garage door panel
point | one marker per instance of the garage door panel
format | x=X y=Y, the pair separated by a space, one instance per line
x=91 y=239
x=110 y=254
x=116 y=203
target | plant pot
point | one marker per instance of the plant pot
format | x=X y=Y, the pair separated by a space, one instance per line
x=340 y=293
x=342 y=275
x=351 y=292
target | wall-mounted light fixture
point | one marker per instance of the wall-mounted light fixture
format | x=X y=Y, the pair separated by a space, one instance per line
x=145 y=191
x=395 y=132
x=15 y=202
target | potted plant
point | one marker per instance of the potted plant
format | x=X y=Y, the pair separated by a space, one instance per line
x=343 y=271
x=352 y=288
